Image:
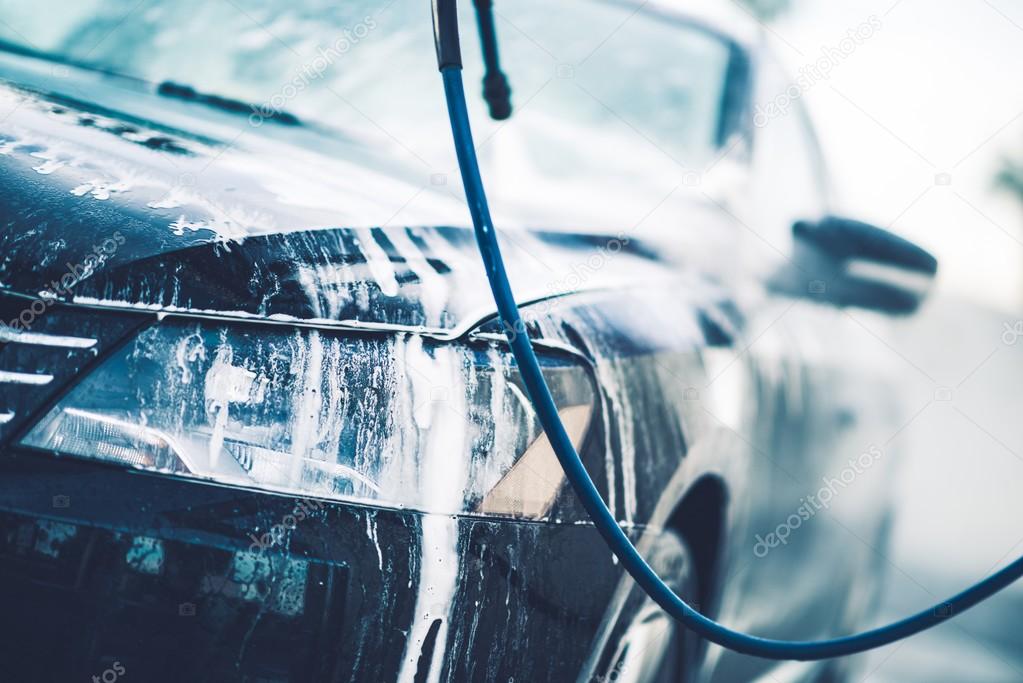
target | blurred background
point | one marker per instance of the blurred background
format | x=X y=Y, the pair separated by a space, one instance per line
x=922 y=126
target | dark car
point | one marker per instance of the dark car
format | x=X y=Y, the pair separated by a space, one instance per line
x=260 y=421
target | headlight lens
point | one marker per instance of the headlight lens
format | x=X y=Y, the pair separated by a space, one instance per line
x=391 y=420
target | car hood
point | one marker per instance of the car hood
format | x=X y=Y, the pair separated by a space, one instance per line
x=116 y=196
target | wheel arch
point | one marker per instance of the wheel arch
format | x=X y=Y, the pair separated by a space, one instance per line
x=700 y=519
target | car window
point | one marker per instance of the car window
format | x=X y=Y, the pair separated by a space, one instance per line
x=614 y=104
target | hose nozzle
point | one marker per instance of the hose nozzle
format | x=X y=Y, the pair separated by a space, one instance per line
x=496 y=90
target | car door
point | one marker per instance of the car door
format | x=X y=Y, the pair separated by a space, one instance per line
x=819 y=409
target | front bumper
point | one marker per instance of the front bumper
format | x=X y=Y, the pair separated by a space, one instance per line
x=104 y=569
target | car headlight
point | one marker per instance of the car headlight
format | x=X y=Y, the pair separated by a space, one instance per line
x=393 y=420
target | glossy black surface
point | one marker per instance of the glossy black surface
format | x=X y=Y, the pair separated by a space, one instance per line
x=99 y=566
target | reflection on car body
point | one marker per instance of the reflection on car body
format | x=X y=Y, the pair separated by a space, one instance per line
x=246 y=445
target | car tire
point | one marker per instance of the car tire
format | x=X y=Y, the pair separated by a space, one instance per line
x=653 y=648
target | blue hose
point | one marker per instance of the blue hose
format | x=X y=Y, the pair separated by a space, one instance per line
x=543 y=402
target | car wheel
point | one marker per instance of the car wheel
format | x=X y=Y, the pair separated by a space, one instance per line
x=653 y=648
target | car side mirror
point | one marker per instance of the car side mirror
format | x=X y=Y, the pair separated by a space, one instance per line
x=849 y=263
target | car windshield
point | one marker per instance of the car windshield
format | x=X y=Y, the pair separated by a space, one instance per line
x=612 y=103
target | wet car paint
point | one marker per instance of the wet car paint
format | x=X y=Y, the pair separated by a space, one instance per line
x=133 y=552
x=164 y=577
x=181 y=251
